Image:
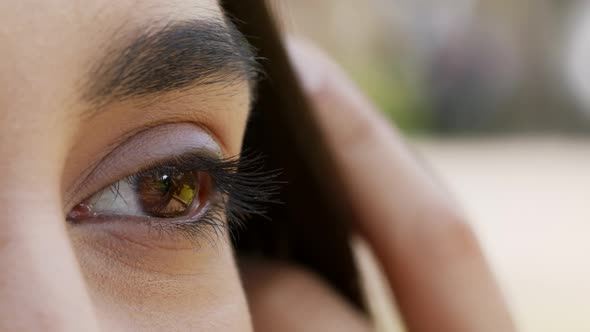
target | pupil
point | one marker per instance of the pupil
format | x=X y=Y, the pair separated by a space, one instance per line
x=165 y=183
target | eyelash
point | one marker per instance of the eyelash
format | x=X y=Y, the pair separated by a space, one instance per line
x=240 y=189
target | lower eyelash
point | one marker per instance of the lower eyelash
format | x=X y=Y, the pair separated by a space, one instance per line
x=210 y=226
x=242 y=188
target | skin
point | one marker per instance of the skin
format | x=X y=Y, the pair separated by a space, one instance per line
x=117 y=276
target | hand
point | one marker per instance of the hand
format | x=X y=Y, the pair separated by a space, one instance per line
x=430 y=255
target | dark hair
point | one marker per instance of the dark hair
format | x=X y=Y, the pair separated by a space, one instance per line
x=311 y=227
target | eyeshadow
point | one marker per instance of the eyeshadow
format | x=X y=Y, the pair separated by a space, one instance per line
x=142 y=149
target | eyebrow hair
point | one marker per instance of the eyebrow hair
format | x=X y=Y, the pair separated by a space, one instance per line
x=176 y=56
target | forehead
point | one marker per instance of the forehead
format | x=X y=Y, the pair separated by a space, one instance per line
x=91 y=22
x=48 y=46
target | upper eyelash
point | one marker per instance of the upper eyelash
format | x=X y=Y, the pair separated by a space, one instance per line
x=241 y=188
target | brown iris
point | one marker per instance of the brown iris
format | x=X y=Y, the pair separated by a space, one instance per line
x=168 y=194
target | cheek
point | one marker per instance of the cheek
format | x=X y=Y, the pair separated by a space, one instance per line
x=139 y=287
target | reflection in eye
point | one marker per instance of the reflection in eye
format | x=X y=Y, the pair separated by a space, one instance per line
x=188 y=189
x=167 y=194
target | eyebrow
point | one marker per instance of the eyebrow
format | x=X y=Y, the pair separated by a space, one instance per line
x=176 y=56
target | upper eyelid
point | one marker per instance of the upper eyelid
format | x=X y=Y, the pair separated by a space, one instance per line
x=112 y=146
x=108 y=168
x=91 y=169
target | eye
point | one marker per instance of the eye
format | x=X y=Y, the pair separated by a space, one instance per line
x=184 y=194
x=162 y=192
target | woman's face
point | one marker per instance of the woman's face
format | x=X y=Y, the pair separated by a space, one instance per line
x=116 y=122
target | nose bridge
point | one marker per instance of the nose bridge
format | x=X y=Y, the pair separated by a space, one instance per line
x=41 y=288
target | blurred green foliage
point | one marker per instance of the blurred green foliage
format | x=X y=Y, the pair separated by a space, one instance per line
x=398 y=99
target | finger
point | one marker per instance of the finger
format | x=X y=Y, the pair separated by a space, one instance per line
x=431 y=257
x=289 y=299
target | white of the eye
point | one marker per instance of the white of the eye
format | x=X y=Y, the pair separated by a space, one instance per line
x=120 y=199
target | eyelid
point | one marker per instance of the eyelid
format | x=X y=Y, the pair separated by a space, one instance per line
x=140 y=151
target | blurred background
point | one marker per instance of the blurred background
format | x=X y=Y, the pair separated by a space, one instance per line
x=495 y=94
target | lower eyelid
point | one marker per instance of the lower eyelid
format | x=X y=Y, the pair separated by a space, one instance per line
x=127 y=256
x=139 y=245
x=169 y=234
x=132 y=240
